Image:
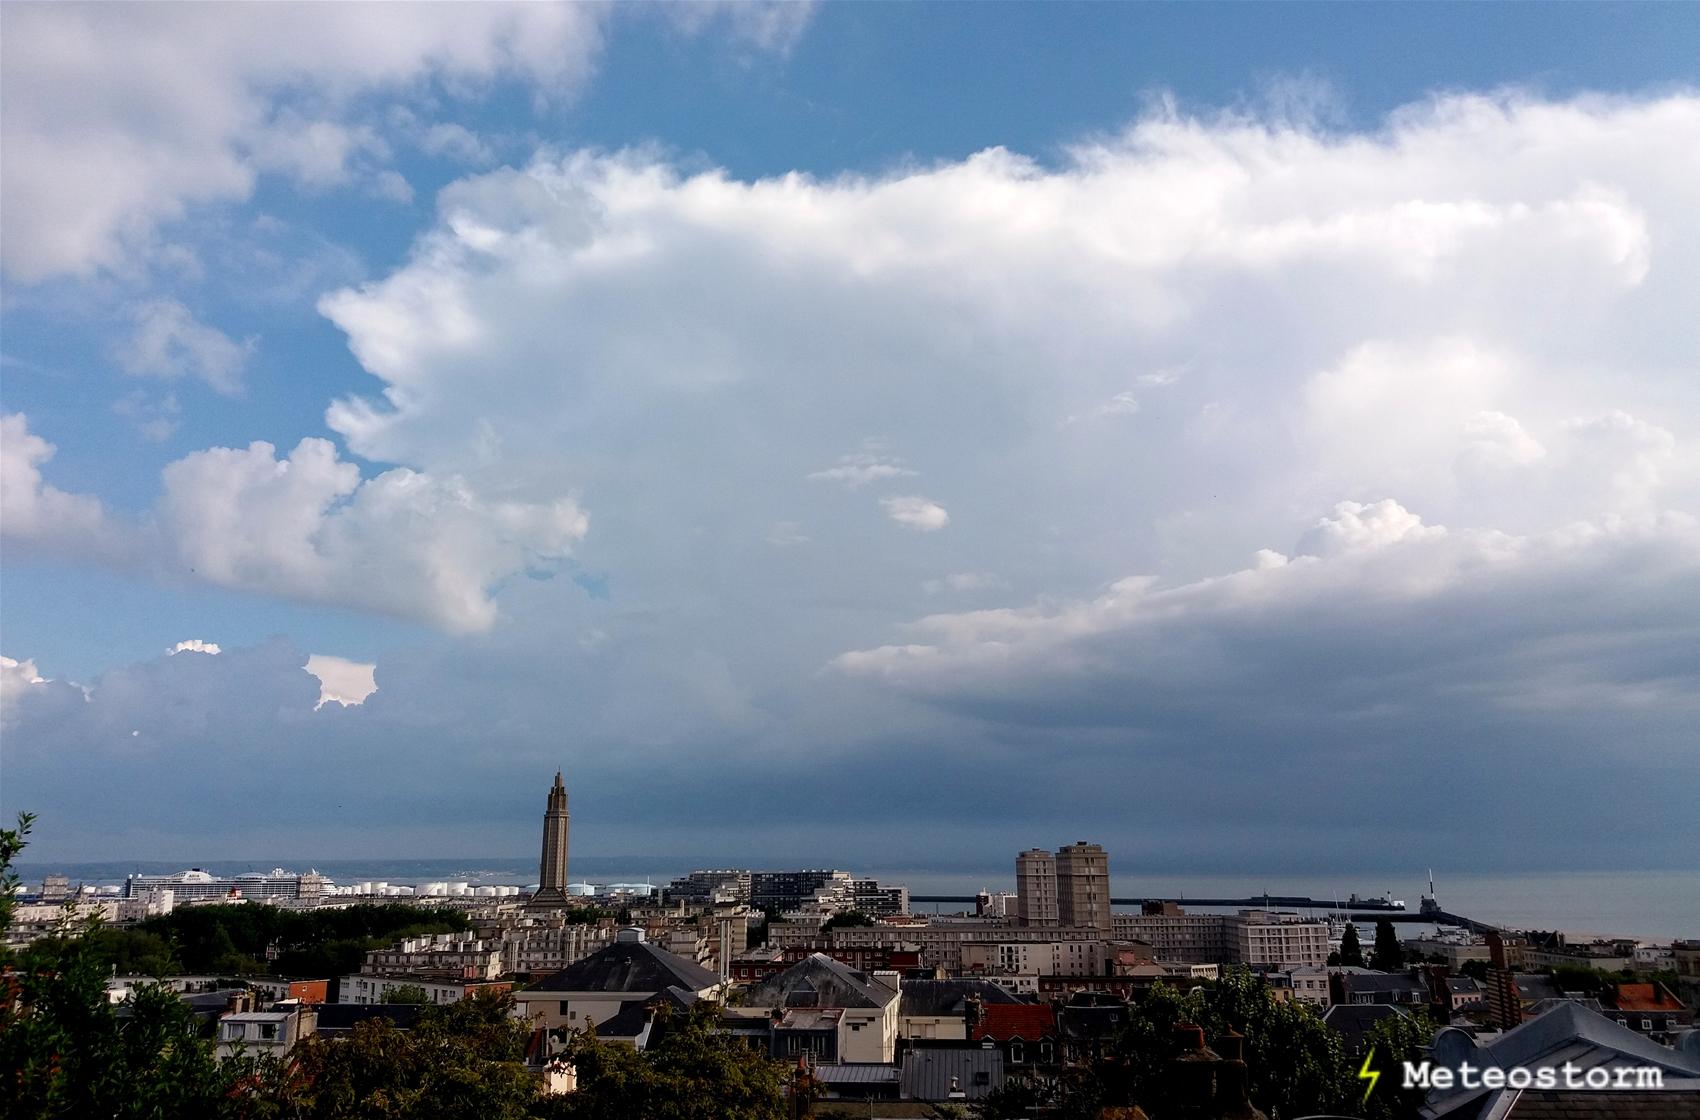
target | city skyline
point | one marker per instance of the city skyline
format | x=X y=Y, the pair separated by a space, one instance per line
x=1259 y=440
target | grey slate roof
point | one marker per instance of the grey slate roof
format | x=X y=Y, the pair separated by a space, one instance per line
x=855 y=1073
x=634 y=1015
x=1674 y=1103
x=949 y=997
x=1567 y=1033
x=340 y=1018
x=818 y=981
x=927 y=1074
x=1355 y=1020
x=629 y=966
x=1384 y=983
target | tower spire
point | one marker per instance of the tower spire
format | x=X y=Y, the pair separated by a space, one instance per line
x=552 y=866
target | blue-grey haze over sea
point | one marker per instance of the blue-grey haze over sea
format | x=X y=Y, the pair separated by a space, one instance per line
x=1648 y=904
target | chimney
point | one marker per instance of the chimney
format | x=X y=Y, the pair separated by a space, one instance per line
x=1192 y=1073
x=1233 y=1081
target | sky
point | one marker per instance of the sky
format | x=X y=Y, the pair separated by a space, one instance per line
x=1257 y=438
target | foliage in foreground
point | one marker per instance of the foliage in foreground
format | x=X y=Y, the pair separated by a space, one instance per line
x=1296 y=1065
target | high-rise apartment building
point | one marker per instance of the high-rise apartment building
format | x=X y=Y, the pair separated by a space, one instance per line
x=552 y=868
x=1036 y=888
x=1083 y=886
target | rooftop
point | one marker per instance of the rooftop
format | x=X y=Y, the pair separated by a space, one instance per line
x=629 y=966
x=819 y=981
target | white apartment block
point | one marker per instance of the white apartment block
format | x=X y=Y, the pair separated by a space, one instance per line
x=363 y=988
x=439 y=955
x=941 y=944
x=1260 y=938
x=1271 y=940
x=1035 y=958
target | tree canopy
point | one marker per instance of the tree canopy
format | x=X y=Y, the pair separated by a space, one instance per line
x=1351 y=951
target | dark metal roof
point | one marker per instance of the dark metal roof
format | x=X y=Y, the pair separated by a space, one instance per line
x=822 y=982
x=629 y=966
x=949 y=997
x=339 y=1018
x=928 y=1074
x=1558 y=1104
x=1355 y=1020
x=1569 y=1033
x=858 y=1073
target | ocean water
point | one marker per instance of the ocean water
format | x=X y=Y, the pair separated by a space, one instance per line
x=1648 y=904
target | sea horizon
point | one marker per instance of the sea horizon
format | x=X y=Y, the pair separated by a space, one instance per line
x=1640 y=903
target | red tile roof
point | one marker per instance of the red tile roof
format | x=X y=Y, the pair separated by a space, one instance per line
x=1004 y=1021
x=1645 y=997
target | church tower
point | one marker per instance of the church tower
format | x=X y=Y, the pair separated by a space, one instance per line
x=552 y=869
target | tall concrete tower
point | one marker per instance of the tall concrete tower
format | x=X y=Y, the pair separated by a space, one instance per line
x=552 y=869
x=1083 y=887
x=1036 y=888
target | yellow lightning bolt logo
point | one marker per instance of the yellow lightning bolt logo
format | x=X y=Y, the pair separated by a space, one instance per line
x=1369 y=1075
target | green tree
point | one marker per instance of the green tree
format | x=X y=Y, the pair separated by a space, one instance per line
x=1296 y=1064
x=463 y=1061
x=1389 y=954
x=1394 y=1040
x=1351 y=952
x=12 y=841
x=69 y=1053
x=406 y=993
x=847 y=920
x=690 y=1072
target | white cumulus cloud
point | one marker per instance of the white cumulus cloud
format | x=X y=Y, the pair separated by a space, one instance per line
x=915 y=512
x=342 y=681
x=170 y=343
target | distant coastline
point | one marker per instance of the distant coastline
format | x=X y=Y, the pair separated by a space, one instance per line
x=1648 y=904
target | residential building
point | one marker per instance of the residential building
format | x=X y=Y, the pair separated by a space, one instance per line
x=362 y=989
x=1035 y=958
x=279 y=988
x=1026 y=1033
x=1354 y=1022
x=1083 y=886
x=1453 y=952
x=1567 y=1036
x=1686 y=954
x=1649 y=1009
x=1352 y=985
x=443 y=955
x=951 y=1074
x=1464 y=994
x=945 y=1009
x=825 y=1009
x=1309 y=984
x=1036 y=888
x=595 y=989
x=1259 y=938
x=537 y=945
x=265 y=1032
x=1610 y=955
x=711 y=888
x=1266 y=939
x=940 y=941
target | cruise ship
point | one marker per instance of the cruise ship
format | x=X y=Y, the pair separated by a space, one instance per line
x=196 y=884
